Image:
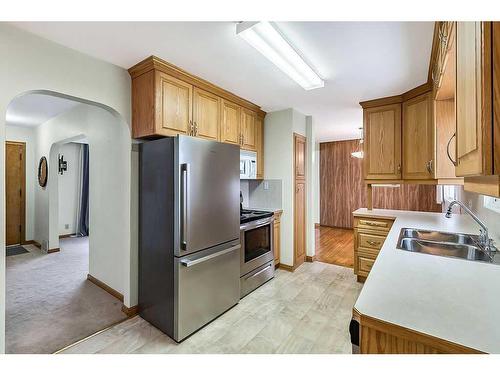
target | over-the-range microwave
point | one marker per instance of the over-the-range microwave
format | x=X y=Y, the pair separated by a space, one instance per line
x=248 y=165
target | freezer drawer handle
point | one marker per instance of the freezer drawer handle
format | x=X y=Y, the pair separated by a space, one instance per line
x=189 y=263
x=258 y=273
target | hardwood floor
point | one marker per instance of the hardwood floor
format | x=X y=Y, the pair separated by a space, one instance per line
x=335 y=246
x=306 y=311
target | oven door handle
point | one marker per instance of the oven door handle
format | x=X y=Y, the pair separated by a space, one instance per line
x=257 y=224
x=190 y=263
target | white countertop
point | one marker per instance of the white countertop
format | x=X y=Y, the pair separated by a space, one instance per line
x=452 y=299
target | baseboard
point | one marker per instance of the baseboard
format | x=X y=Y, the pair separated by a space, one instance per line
x=317 y=225
x=130 y=311
x=286 y=267
x=361 y=279
x=310 y=259
x=32 y=242
x=106 y=287
x=61 y=236
x=54 y=250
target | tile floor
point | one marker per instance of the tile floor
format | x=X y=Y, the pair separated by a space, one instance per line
x=307 y=311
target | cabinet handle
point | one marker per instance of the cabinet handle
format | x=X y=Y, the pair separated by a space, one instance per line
x=190 y=127
x=399 y=168
x=373 y=243
x=428 y=165
x=373 y=224
x=195 y=128
x=454 y=162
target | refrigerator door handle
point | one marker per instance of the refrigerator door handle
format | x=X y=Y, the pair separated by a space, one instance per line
x=184 y=204
x=189 y=263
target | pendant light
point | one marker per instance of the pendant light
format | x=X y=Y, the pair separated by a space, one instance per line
x=359 y=153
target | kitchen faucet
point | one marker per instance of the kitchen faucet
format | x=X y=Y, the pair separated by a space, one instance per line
x=484 y=240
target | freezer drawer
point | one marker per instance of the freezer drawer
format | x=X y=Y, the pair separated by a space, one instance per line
x=208 y=284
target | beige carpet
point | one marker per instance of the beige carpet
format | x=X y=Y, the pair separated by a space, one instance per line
x=49 y=301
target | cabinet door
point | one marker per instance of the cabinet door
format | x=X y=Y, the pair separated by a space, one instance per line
x=259 y=129
x=206 y=114
x=230 y=126
x=248 y=132
x=277 y=242
x=300 y=158
x=418 y=138
x=382 y=134
x=300 y=223
x=175 y=106
x=468 y=100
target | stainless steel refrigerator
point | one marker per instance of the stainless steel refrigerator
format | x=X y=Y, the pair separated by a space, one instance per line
x=189 y=232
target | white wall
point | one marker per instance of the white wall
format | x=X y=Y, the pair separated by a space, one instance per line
x=69 y=185
x=32 y=63
x=310 y=186
x=27 y=135
x=279 y=127
x=317 y=197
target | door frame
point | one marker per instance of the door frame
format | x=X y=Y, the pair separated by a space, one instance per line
x=304 y=139
x=23 y=188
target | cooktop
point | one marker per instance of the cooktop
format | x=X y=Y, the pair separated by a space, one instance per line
x=251 y=215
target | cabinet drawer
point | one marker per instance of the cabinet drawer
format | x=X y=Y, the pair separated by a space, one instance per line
x=374 y=224
x=371 y=241
x=365 y=265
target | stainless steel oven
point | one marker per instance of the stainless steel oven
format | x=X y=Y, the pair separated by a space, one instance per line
x=257 y=253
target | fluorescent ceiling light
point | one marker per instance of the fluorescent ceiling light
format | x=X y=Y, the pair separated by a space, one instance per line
x=268 y=41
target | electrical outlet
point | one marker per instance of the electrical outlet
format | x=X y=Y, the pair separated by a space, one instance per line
x=492 y=203
x=266 y=185
x=66 y=226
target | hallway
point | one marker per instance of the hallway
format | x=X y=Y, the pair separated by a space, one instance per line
x=335 y=246
x=49 y=301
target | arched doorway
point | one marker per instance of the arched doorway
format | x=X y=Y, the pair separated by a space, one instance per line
x=61 y=120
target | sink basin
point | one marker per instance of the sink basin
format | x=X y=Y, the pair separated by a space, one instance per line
x=427 y=235
x=456 y=245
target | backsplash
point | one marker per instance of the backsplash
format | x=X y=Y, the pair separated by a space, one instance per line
x=265 y=194
x=490 y=217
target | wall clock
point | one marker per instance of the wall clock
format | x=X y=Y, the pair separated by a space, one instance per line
x=42 y=171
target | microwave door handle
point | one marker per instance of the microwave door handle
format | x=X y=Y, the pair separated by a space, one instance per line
x=184 y=204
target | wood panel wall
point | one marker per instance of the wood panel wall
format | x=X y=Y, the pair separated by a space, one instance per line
x=342 y=189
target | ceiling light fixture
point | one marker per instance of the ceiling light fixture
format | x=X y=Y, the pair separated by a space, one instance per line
x=266 y=39
x=359 y=154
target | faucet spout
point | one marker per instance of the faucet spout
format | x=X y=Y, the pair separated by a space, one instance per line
x=484 y=239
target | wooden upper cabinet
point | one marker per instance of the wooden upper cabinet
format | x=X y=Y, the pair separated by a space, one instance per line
x=230 y=125
x=473 y=150
x=175 y=105
x=206 y=114
x=382 y=135
x=418 y=138
x=167 y=101
x=259 y=131
x=248 y=131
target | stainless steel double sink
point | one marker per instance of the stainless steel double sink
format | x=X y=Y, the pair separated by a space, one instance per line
x=456 y=245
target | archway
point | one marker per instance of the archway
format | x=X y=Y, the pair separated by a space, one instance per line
x=110 y=169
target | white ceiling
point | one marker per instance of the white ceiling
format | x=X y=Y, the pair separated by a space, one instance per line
x=31 y=110
x=357 y=60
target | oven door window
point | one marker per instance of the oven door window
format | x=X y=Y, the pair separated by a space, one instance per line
x=257 y=242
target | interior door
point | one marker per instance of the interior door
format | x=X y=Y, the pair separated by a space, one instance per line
x=299 y=200
x=382 y=132
x=418 y=138
x=176 y=105
x=14 y=192
x=230 y=127
x=209 y=191
x=206 y=114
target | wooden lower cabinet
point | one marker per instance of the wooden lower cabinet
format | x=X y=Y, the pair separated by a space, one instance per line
x=369 y=236
x=380 y=337
x=277 y=237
